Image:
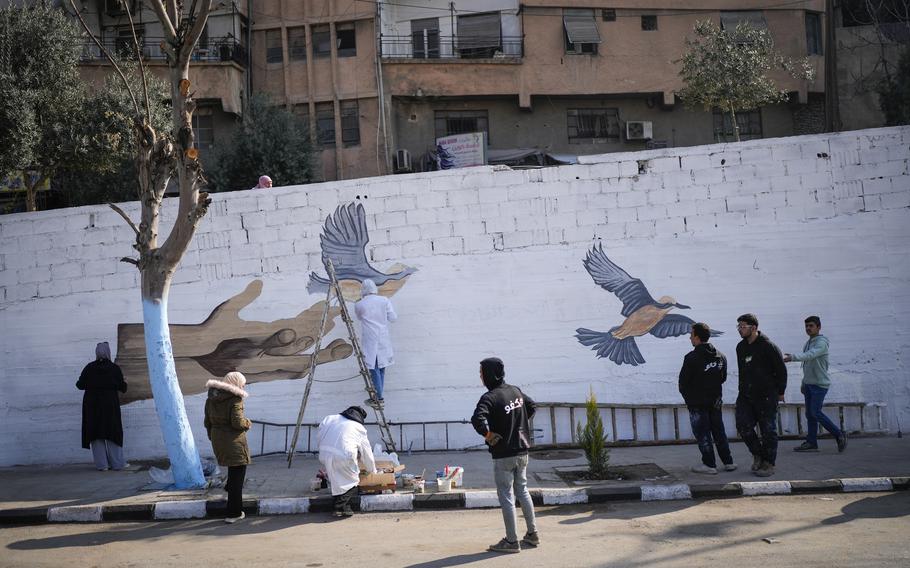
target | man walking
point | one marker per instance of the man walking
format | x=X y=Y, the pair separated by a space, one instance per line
x=703 y=372
x=501 y=417
x=762 y=382
x=375 y=313
x=816 y=383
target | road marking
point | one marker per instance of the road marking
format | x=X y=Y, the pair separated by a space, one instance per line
x=665 y=492
x=180 y=509
x=284 y=506
x=75 y=514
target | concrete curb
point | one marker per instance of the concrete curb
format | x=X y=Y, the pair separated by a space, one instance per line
x=480 y=499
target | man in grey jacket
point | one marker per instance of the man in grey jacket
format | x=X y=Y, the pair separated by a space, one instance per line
x=816 y=383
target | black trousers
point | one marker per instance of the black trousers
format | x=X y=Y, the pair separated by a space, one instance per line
x=760 y=412
x=343 y=501
x=234 y=488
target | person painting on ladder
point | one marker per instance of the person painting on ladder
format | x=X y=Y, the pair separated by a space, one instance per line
x=375 y=313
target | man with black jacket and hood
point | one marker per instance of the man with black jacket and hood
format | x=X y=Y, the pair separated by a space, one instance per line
x=703 y=372
x=501 y=417
x=762 y=382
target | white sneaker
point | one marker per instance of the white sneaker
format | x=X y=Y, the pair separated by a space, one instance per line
x=729 y=467
x=702 y=468
x=232 y=520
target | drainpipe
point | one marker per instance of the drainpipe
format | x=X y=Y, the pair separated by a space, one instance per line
x=249 y=56
x=383 y=123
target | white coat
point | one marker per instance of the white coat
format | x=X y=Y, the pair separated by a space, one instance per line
x=375 y=314
x=343 y=445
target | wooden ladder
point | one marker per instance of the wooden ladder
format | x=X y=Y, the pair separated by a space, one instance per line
x=335 y=290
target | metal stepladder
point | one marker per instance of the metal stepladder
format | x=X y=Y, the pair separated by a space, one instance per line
x=335 y=290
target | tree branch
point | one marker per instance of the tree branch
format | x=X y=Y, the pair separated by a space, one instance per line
x=130 y=260
x=145 y=87
x=125 y=217
x=170 y=33
x=192 y=36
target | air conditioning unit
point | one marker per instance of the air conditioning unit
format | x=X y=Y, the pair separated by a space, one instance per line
x=639 y=130
x=403 y=161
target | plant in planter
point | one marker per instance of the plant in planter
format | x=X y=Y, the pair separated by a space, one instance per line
x=593 y=440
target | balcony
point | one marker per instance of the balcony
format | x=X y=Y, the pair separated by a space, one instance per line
x=215 y=50
x=429 y=45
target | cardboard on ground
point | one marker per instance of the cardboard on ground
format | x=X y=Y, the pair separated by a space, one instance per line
x=379 y=482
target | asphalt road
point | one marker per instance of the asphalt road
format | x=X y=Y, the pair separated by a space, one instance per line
x=871 y=529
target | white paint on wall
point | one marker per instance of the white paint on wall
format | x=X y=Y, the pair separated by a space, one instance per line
x=783 y=228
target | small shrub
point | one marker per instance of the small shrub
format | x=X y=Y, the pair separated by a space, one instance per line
x=593 y=440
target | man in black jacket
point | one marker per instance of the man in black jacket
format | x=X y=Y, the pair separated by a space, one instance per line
x=703 y=372
x=501 y=417
x=762 y=382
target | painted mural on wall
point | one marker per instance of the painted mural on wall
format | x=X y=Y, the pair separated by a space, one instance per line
x=643 y=314
x=263 y=351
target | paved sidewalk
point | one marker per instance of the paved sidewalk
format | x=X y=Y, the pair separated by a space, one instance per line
x=79 y=492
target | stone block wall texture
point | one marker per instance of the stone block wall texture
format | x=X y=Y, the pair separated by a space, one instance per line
x=783 y=228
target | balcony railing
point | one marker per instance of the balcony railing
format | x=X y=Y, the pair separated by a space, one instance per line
x=215 y=50
x=430 y=45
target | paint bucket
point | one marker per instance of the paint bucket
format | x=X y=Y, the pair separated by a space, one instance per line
x=443 y=485
x=419 y=486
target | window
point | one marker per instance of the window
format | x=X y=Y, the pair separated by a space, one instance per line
x=450 y=122
x=203 y=131
x=297 y=43
x=425 y=38
x=592 y=125
x=325 y=124
x=813 y=33
x=749 y=122
x=649 y=23
x=322 y=41
x=753 y=19
x=350 y=123
x=124 y=44
x=580 y=28
x=273 y=49
x=346 y=37
x=608 y=15
x=479 y=35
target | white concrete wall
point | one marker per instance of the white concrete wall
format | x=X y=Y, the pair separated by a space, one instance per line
x=780 y=227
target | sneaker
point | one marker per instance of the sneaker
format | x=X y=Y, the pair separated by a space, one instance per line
x=729 y=467
x=374 y=403
x=766 y=470
x=531 y=540
x=757 y=462
x=348 y=512
x=505 y=546
x=807 y=447
x=337 y=513
x=232 y=520
x=702 y=468
x=842 y=442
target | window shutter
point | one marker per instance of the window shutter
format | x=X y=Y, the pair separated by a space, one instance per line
x=580 y=26
x=479 y=30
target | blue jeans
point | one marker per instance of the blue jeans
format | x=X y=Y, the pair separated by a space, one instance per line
x=378 y=376
x=708 y=429
x=760 y=412
x=815 y=398
x=508 y=473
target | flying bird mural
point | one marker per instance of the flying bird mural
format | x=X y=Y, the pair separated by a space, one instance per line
x=343 y=240
x=643 y=314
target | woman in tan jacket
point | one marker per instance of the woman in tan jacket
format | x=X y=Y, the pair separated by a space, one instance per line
x=226 y=427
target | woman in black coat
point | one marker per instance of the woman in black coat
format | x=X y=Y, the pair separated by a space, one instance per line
x=102 y=429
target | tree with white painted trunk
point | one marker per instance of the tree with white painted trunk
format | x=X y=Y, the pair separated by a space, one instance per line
x=161 y=157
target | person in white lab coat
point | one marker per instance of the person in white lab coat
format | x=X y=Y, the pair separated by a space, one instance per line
x=375 y=313
x=343 y=448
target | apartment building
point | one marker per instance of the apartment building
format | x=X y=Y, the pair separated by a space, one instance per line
x=577 y=77
x=219 y=67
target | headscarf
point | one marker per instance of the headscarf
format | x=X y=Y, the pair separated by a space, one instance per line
x=367 y=287
x=103 y=351
x=233 y=383
x=263 y=180
x=355 y=413
x=492 y=371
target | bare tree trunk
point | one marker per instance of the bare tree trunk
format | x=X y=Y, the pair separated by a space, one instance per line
x=735 y=124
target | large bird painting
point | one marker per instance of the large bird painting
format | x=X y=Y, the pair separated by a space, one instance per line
x=643 y=314
x=343 y=240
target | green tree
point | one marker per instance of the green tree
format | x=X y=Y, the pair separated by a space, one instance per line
x=894 y=92
x=729 y=69
x=593 y=439
x=40 y=94
x=270 y=140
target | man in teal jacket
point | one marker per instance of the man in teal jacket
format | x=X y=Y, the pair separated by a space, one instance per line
x=816 y=383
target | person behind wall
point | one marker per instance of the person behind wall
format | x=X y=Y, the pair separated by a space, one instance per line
x=102 y=428
x=703 y=373
x=227 y=427
x=343 y=449
x=762 y=382
x=375 y=313
x=502 y=417
x=816 y=383
x=265 y=182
